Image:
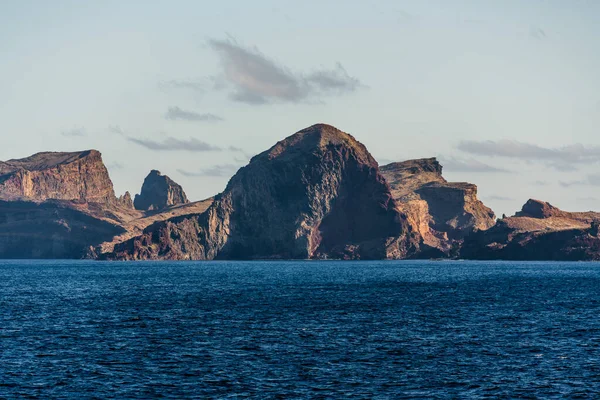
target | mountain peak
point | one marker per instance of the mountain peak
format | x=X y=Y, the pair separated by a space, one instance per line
x=79 y=175
x=158 y=192
x=538 y=209
x=317 y=138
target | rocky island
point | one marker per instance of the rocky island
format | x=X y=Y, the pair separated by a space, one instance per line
x=318 y=194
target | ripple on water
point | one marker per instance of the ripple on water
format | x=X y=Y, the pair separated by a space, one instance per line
x=299 y=329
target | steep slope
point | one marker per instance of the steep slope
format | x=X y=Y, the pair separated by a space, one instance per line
x=159 y=192
x=315 y=194
x=539 y=231
x=52 y=229
x=442 y=212
x=62 y=205
x=79 y=176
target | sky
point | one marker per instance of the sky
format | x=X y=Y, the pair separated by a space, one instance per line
x=505 y=93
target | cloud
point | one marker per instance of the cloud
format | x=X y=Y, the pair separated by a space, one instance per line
x=116 y=129
x=174 y=144
x=540 y=183
x=253 y=78
x=335 y=80
x=590 y=180
x=469 y=165
x=75 y=132
x=193 y=85
x=176 y=113
x=537 y=33
x=226 y=170
x=115 y=165
x=562 y=158
x=498 y=198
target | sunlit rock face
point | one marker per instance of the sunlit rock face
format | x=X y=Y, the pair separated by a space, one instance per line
x=539 y=231
x=79 y=176
x=443 y=212
x=315 y=194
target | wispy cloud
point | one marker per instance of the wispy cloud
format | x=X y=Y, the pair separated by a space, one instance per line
x=469 y=165
x=176 y=113
x=498 y=198
x=116 y=129
x=174 y=144
x=75 y=132
x=115 y=165
x=540 y=183
x=590 y=180
x=223 y=170
x=537 y=33
x=188 y=84
x=562 y=158
x=253 y=78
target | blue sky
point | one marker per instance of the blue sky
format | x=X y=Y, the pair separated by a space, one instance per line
x=505 y=93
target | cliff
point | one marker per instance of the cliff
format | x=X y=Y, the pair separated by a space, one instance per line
x=539 y=231
x=443 y=212
x=315 y=194
x=159 y=192
x=51 y=229
x=62 y=205
x=78 y=176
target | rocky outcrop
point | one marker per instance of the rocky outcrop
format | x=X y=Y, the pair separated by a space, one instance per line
x=443 y=212
x=315 y=194
x=62 y=205
x=52 y=229
x=539 y=231
x=125 y=200
x=78 y=176
x=159 y=192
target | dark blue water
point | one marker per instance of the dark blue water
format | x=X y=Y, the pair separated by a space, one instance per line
x=299 y=330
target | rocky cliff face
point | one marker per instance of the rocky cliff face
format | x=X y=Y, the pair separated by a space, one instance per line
x=316 y=194
x=159 y=192
x=52 y=229
x=125 y=200
x=78 y=176
x=442 y=212
x=539 y=231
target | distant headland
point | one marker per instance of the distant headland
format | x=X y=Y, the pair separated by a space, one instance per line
x=317 y=194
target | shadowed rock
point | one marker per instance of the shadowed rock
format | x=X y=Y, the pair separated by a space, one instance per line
x=315 y=194
x=539 y=231
x=159 y=192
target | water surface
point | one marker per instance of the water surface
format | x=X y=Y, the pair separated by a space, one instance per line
x=76 y=329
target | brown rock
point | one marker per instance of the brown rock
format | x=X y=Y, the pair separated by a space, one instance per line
x=442 y=212
x=316 y=194
x=78 y=176
x=52 y=229
x=539 y=231
x=125 y=200
x=159 y=192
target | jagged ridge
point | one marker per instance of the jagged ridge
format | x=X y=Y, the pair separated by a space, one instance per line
x=315 y=194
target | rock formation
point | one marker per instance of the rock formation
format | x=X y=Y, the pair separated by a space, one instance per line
x=442 y=212
x=78 y=176
x=315 y=194
x=61 y=205
x=539 y=231
x=159 y=192
x=125 y=200
x=51 y=229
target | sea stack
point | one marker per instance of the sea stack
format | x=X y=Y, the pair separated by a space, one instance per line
x=159 y=192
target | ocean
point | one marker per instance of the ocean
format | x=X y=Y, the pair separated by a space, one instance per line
x=299 y=329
